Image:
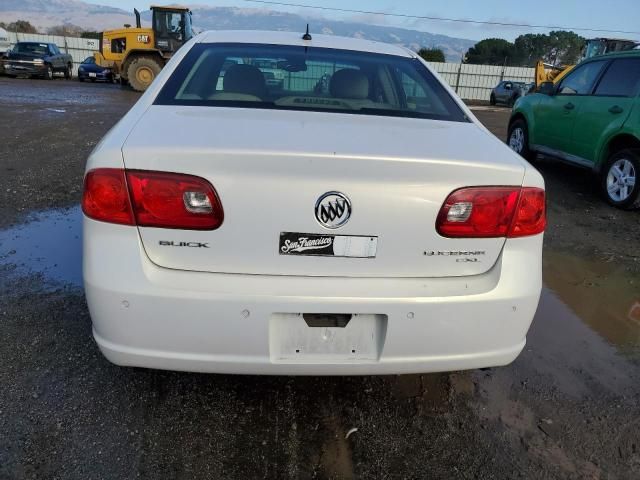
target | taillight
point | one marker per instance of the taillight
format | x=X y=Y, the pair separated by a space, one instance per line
x=531 y=214
x=172 y=200
x=485 y=212
x=106 y=198
x=154 y=199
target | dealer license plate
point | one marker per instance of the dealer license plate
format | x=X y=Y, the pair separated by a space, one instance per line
x=294 y=243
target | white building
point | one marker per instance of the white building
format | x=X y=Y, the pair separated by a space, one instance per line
x=4 y=40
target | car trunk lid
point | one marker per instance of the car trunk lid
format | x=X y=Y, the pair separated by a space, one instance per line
x=271 y=168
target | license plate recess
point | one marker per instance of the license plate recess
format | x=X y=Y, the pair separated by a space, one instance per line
x=334 y=340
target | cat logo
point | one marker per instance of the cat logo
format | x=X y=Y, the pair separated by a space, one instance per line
x=144 y=39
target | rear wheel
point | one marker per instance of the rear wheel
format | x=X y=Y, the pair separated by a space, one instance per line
x=518 y=139
x=492 y=99
x=68 y=72
x=513 y=99
x=619 y=181
x=142 y=71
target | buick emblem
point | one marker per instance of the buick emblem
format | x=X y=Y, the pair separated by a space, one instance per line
x=333 y=209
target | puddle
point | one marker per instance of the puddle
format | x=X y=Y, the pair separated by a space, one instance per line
x=48 y=244
x=602 y=294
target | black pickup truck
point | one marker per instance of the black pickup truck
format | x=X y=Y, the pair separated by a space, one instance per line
x=37 y=59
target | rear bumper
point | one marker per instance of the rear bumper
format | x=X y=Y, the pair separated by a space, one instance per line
x=97 y=76
x=147 y=316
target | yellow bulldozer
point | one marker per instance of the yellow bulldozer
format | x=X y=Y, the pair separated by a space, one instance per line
x=138 y=54
x=596 y=46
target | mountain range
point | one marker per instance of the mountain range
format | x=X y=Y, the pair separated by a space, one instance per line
x=46 y=13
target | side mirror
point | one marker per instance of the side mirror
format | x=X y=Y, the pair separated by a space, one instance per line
x=547 y=88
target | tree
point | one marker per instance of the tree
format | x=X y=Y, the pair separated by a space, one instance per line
x=66 y=30
x=564 y=48
x=492 y=51
x=530 y=48
x=558 y=48
x=90 y=34
x=21 y=26
x=432 y=54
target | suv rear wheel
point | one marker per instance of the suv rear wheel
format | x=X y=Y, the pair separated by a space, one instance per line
x=619 y=183
x=518 y=139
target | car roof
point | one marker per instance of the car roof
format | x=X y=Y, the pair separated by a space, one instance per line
x=624 y=53
x=295 y=39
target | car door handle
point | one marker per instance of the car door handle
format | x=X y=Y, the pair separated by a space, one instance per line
x=615 y=109
x=569 y=106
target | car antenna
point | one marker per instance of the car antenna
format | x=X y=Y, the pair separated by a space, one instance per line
x=307 y=35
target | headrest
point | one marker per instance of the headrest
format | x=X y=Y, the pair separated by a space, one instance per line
x=349 y=83
x=245 y=79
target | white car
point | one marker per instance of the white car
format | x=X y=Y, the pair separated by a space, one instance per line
x=356 y=219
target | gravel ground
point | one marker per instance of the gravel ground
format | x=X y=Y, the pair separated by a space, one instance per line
x=566 y=408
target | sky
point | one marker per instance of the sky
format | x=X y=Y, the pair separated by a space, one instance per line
x=596 y=14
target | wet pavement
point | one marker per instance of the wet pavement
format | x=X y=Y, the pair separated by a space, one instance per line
x=48 y=244
x=568 y=407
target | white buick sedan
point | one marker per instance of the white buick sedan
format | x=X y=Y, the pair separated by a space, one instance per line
x=323 y=206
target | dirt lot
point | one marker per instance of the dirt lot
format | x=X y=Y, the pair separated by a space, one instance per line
x=567 y=408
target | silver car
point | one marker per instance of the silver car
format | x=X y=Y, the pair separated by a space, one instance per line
x=507 y=92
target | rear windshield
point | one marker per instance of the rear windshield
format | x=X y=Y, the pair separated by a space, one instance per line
x=307 y=78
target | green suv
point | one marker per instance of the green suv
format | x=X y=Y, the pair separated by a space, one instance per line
x=590 y=118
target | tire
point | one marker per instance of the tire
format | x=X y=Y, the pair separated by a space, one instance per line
x=492 y=99
x=513 y=100
x=142 y=71
x=519 y=143
x=48 y=75
x=620 y=179
x=80 y=79
x=68 y=72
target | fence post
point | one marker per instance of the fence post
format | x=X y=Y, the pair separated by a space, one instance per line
x=458 y=77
